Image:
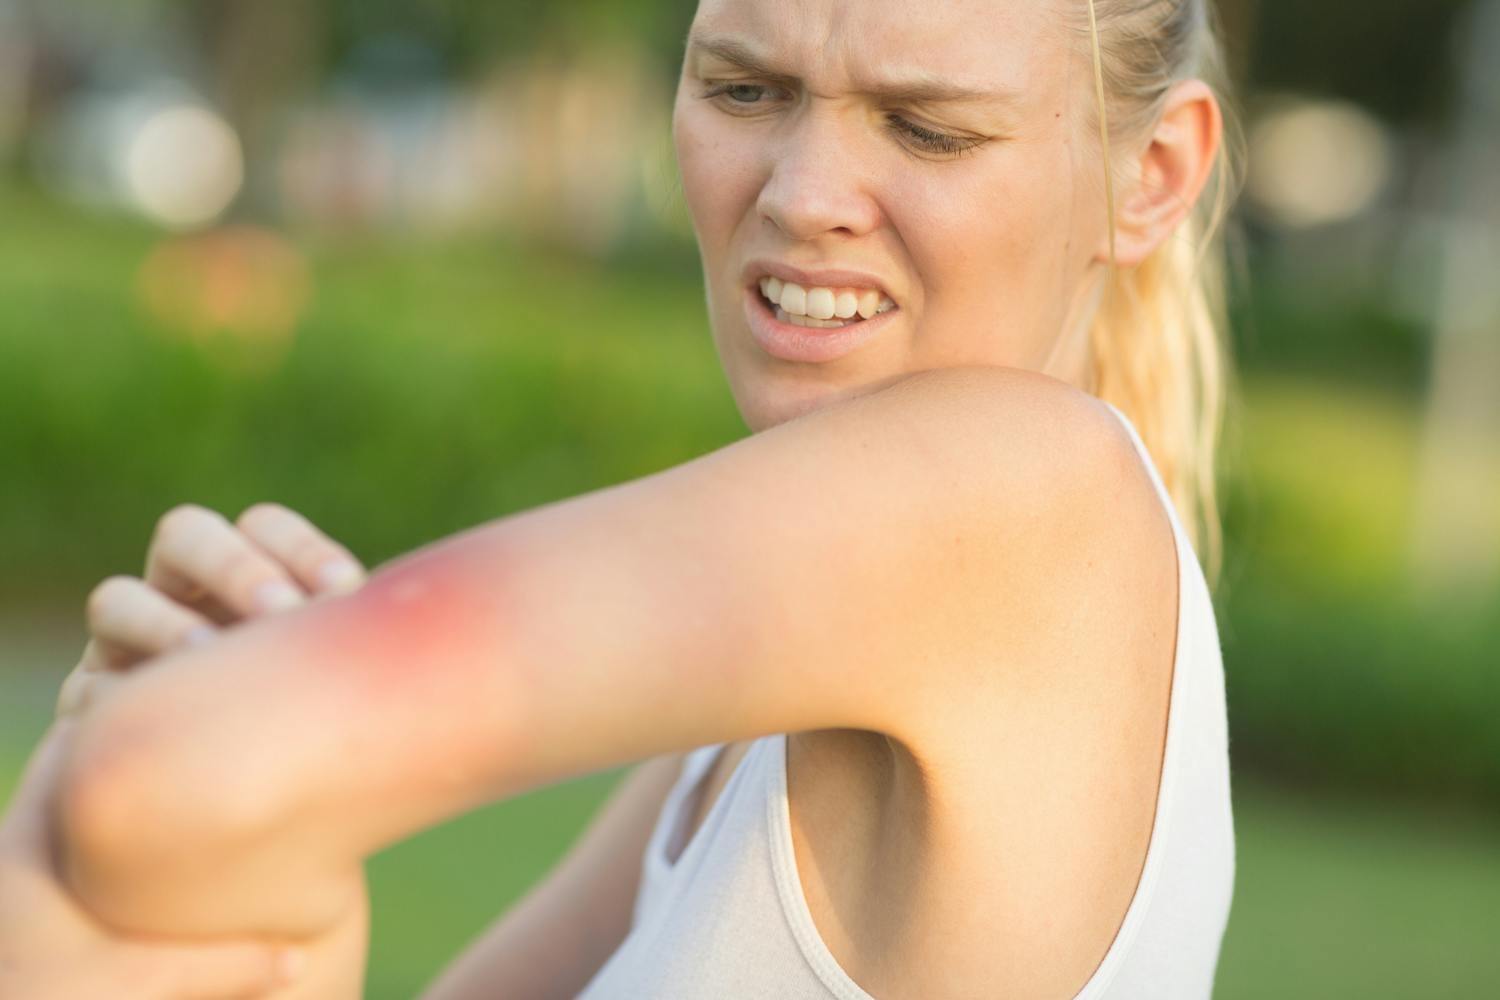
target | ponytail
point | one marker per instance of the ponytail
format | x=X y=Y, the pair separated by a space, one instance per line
x=1157 y=346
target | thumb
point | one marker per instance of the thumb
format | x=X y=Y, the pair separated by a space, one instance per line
x=222 y=972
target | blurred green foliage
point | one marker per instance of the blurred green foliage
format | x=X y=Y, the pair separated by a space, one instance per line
x=433 y=387
x=1339 y=667
x=426 y=391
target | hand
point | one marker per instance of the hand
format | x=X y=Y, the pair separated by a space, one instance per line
x=51 y=949
x=202 y=573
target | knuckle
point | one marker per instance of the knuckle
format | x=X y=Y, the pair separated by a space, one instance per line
x=240 y=571
x=107 y=593
x=183 y=517
x=259 y=514
x=311 y=553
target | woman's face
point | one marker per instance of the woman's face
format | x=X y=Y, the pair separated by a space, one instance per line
x=932 y=152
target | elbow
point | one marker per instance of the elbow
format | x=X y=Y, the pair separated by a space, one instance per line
x=105 y=827
x=134 y=817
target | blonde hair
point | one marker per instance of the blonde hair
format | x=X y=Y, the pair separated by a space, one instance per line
x=1157 y=345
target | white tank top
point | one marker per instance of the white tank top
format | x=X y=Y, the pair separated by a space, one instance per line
x=728 y=919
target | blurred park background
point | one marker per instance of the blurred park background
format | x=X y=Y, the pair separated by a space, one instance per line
x=410 y=266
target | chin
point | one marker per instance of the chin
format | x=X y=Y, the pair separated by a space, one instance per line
x=771 y=394
x=768 y=409
x=768 y=391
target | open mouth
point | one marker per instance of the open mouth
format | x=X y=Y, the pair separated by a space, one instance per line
x=822 y=308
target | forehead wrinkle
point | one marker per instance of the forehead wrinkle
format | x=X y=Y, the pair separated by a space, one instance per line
x=912 y=85
x=736 y=52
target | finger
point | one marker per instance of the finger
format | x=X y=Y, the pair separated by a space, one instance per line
x=73 y=694
x=214 y=972
x=82 y=689
x=24 y=827
x=96 y=656
x=189 y=593
x=320 y=564
x=195 y=545
x=131 y=621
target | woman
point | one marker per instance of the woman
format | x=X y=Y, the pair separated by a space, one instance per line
x=922 y=675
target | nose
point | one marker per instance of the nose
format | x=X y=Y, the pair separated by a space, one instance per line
x=815 y=185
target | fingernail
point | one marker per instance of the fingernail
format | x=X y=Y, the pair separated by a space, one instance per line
x=289 y=965
x=340 y=576
x=201 y=634
x=277 y=595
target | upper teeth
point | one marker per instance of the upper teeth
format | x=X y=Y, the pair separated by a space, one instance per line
x=825 y=303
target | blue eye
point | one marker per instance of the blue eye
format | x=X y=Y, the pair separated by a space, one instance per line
x=743 y=93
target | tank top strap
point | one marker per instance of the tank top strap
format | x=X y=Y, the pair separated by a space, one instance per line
x=1178 y=528
x=656 y=868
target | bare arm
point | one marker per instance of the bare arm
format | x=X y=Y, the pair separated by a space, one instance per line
x=851 y=568
x=552 y=942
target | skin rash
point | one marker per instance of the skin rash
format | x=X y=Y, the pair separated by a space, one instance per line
x=419 y=649
x=437 y=603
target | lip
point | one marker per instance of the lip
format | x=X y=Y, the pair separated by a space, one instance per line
x=804 y=344
x=827 y=278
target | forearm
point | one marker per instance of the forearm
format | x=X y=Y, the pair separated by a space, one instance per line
x=237 y=787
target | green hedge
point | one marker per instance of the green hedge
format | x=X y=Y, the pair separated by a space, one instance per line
x=426 y=390
x=432 y=387
x=1340 y=664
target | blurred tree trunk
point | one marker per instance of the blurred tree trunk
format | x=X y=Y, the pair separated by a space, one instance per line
x=1238 y=20
x=1457 y=538
x=262 y=55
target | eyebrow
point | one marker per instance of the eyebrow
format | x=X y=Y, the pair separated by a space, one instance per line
x=919 y=88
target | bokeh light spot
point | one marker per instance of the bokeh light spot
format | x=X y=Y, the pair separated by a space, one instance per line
x=1317 y=162
x=238 y=291
x=184 y=166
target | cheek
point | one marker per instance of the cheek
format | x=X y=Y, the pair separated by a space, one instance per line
x=991 y=237
x=719 y=175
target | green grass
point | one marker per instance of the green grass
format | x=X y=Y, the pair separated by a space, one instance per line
x=430 y=895
x=1340 y=897
x=1334 y=897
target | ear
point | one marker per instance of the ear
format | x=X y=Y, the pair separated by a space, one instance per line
x=1169 y=172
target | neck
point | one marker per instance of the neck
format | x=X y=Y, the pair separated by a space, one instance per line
x=1070 y=359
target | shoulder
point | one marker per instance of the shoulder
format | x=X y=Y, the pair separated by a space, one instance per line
x=1034 y=536
x=1068 y=549
x=1051 y=469
x=1039 y=438
x=1074 y=454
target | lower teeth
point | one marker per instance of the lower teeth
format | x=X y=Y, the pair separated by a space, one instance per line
x=817 y=324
